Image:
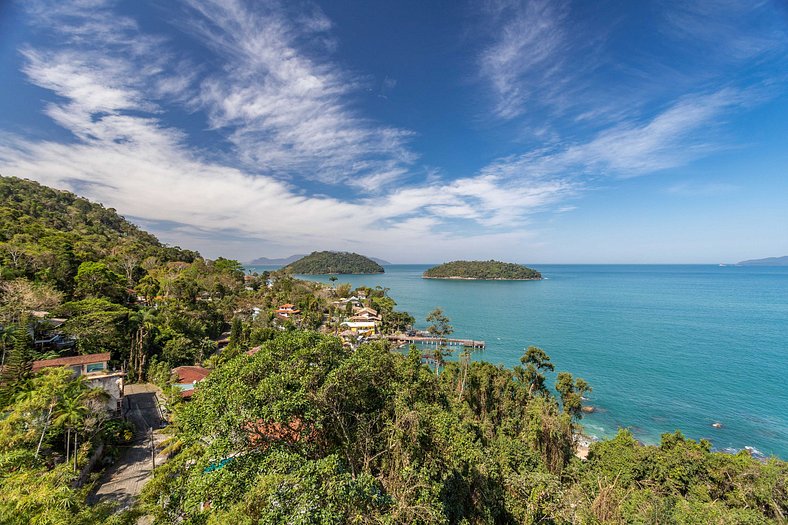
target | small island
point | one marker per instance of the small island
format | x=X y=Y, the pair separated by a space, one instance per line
x=324 y=263
x=482 y=270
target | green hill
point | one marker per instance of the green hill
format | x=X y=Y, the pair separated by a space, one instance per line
x=321 y=263
x=482 y=270
x=45 y=234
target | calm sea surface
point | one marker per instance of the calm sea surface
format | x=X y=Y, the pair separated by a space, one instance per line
x=664 y=347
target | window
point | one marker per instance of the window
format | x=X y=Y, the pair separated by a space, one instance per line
x=94 y=367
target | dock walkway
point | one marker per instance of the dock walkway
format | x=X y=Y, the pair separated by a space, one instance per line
x=424 y=340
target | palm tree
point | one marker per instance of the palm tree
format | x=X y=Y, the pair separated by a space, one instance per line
x=145 y=322
x=71 y=414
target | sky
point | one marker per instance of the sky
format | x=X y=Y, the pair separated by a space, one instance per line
x=544 y=131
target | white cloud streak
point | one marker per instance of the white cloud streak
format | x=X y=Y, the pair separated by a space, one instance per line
x=526 y=61
x=287 y=114
x=125 y=155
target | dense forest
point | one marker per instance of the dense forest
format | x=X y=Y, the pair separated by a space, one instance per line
x=325 y=263
x=481 y=270
x=294 y=424
x=306 y=431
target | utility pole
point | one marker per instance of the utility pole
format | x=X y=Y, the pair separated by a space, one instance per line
x=152 y=449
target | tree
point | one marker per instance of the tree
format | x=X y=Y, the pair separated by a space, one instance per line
x=20 y=296
x=440 y=328
x=96 y=280
x=536 y=361
x=19 y=364
x=236 y=335
x=143 y=325
x=70 y=415
x=98 y=326
x=571 y=392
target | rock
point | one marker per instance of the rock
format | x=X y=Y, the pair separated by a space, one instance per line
x=717 y=424
x=588 y=409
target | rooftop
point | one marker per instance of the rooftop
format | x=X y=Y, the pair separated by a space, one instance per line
x=72 y=361
x=190 y=374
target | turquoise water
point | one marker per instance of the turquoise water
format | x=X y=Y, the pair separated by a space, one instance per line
x=664 y=347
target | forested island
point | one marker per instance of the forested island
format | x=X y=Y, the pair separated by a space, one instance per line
x=297 y=422
x=325 y=263
x=482 y=270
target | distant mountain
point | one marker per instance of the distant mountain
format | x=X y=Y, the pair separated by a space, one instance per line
x=769 y=261
x=381 y=262
x=324 y=263
x=265 y=261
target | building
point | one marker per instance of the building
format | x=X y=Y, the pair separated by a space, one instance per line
x=365 y=314
x=287 y=311
x=95 y=369
x=365 y=328
x=188 y=377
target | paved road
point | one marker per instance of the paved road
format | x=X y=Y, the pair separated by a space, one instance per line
x=123 y=481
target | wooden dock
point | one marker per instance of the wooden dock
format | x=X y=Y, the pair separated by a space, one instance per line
x=422 y=340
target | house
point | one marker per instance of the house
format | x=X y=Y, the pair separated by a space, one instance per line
x=95 y=369
x=188 y=377
x=287 y=311
x=365 y=328
x=365 y=314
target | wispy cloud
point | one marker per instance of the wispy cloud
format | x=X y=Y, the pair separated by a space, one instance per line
x=702 y=189
x=528 y=58
x=286 y=112
x=125 y=153
x=736 y=30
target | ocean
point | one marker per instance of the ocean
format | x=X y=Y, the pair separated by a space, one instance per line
x=664 y=347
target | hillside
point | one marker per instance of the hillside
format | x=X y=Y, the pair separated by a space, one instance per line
x=321 y=263
x=768 y=261
x=482 y=270
x=45 y=234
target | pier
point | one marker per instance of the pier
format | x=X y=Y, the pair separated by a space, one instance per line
x=426 y=340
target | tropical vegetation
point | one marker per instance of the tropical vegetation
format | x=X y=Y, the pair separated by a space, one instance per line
x=326 y=263
x=304 y=429
x=481 y=270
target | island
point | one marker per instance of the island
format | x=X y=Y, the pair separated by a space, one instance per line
x=482 y=270
x=323 y=263
x=769 y=261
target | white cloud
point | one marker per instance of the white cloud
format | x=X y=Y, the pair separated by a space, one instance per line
x=673 y=137
x=125 y=155
x=526 y=62
x=286 y=113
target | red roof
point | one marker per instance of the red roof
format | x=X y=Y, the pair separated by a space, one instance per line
x=253 y=351
x=261 y=433
x=77 y=360
x=190 y=374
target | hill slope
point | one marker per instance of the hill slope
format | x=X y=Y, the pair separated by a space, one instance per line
x=45 y=234
x=321 y=263
x=482 y=270
x=769 y=261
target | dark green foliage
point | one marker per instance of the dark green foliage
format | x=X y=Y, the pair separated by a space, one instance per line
x=45 y=234
x=18 y=364
x=305 y=431
x=482 y=270
x=535 y=362
x=571 y=392
x=319 y=263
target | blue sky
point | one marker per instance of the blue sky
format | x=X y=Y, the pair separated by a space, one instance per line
x=542 y=131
